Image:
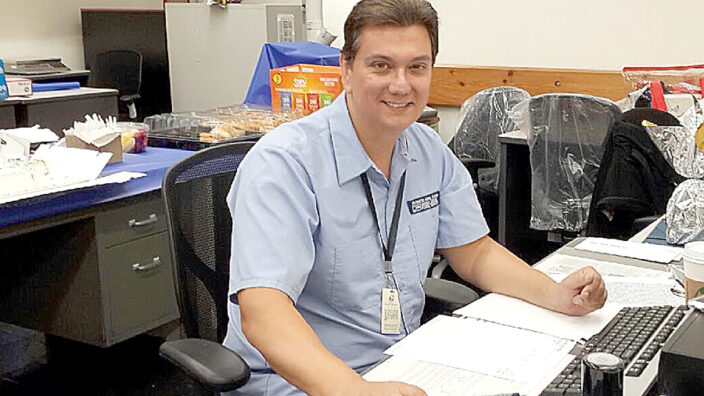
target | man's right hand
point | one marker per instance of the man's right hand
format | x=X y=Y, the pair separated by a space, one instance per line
x=389 y=389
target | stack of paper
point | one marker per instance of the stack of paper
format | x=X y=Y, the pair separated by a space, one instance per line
x=626 y=285
x=566 y=264
x=440 y=380
x=642 y=251
x=520 y=314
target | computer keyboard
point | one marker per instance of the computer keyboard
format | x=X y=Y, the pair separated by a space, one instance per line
x=634 y=334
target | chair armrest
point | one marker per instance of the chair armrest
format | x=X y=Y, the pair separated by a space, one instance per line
x=642 y=222
x=129 y=98
x=449 y=292
x=473 y=163
x=213 y=365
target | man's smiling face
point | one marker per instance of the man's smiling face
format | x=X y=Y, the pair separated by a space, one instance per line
x=388 y=82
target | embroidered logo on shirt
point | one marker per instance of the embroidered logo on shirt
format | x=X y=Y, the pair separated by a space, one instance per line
x=424 y=203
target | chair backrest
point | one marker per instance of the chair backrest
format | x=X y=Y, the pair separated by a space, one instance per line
x=658 y=117
x=566 y=138
x=634 y=179
x=118 y=69
x=483 y=117
x=194 y=192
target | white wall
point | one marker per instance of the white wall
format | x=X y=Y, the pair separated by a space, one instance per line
x=42 y=28
x=595 y=34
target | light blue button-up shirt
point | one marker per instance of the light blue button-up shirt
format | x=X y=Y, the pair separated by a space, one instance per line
x=302 y=225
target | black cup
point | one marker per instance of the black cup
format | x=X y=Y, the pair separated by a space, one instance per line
x=602 y=374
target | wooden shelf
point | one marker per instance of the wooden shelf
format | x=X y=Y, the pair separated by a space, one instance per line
x=452 y=85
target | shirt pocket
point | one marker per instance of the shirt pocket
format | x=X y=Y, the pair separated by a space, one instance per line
x=358 y=276
x=424 y=233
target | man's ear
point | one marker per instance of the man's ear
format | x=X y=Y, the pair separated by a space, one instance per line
x=345 y=69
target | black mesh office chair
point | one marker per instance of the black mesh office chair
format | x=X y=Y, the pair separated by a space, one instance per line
x=200 y=227
x=121 y=70
x=566 y=138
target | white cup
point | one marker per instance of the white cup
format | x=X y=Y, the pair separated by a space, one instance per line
x=694 y=269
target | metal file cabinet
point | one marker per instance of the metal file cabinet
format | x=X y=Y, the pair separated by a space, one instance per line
x=99 y=275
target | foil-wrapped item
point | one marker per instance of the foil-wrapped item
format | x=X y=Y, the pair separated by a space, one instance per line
x=678 y=146
x=685 y=213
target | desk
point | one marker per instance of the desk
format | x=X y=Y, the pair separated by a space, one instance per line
x=440 y=343
x=7 y=113
x=74 y=75
x=57 y=110
x=67 y=258
x=515 y=200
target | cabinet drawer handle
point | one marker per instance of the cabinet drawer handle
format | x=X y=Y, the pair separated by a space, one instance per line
x=137 y=267
x=151 y=220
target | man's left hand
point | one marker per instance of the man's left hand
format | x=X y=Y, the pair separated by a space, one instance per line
x=583 y=291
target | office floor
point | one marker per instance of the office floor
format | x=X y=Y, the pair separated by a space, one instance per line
x=131 y=368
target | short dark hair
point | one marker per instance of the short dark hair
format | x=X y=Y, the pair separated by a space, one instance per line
x=389 y=12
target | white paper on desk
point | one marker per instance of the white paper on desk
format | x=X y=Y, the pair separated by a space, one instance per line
x=71 y=165
x=115 y=178
x=566 y=264
x=484 y=347
x=641 y=292
x=637 y=291
x=642 y=251
x=12 y=147
x=33 y=134
x=518 y=313
x=439 y=380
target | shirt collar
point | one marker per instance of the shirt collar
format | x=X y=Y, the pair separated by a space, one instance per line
x=350 y=158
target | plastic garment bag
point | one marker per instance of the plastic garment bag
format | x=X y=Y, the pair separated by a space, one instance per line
x=565 y=137
x=483 y=117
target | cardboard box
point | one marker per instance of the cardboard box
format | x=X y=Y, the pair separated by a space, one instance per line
x=114 y=147
x=305 y=88
x=19 y=86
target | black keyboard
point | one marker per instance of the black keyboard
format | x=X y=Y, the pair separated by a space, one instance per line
x=626 y=336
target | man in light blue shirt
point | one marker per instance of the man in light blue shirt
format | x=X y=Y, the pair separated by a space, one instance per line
x=337 y=216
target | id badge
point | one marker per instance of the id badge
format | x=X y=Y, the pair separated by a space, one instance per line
x=390 y=312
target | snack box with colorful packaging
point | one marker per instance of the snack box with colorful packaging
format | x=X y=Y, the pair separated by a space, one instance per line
x=304 y=88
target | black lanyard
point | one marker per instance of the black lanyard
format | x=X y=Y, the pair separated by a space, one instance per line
x=388 y=251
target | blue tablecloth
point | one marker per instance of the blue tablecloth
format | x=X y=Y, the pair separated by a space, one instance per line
x=154 y=162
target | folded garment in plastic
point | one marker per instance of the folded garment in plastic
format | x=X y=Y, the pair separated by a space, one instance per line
x=685 y=213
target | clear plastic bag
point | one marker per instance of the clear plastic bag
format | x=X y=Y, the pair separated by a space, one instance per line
x=220 y=124
x=676 y=79
x=483 y=117
x=565 y=137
